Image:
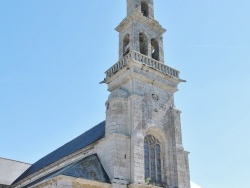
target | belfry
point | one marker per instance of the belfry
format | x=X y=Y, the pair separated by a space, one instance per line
x=141 y=115
x=140 y=142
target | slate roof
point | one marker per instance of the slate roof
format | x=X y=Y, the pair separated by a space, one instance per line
x=85 y=139
x=89 y=168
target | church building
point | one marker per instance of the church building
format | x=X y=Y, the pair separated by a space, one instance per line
x=140 y=142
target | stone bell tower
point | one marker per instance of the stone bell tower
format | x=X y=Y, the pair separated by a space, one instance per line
x=143 y=141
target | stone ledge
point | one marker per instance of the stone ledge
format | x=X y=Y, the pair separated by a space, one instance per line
x=143 y=186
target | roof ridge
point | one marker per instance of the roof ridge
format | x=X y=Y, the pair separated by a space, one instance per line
x=15 y=160
x=69 y=141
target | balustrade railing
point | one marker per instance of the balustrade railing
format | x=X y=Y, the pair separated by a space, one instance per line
x=144 y=60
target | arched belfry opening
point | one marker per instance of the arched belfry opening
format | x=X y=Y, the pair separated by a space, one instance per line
x=143 y=43
x=144 y=9
x=155 y=49
x=152 y=159
x=126 y=47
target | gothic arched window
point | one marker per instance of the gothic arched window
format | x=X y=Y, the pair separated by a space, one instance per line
x=143 y=43
x=152 y=159
x=155 y=49
x=144 y=9
x=126 y=41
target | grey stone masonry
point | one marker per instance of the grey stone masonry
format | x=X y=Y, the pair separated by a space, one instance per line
x=142 y=146
x=140 y=104
x=144 y=60
x=140 y=33
x=135 y=5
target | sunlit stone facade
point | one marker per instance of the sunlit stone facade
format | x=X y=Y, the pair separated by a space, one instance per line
x=140 y=143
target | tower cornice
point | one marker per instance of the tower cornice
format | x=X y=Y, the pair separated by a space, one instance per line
x=152 y=73
x=146 y=61
x=136 y=15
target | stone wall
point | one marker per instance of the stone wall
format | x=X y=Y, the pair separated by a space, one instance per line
x=142 y=103
x=114 y=154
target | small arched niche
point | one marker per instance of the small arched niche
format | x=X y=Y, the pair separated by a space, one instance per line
x=143 y=43
x=126 y=47
x=144 y=9
x=155 y=49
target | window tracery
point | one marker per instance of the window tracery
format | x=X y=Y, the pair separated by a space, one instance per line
x=152 y=159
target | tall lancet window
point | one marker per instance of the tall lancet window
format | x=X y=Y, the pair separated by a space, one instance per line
x=152 y=159
x=144 y=9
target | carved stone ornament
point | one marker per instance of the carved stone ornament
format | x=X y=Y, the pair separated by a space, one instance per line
x=155 y=97
x=152 y=140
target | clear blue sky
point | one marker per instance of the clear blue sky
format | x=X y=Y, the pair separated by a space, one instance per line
x=53 y=54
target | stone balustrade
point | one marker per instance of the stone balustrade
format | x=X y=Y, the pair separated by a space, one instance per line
x=136 y=56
